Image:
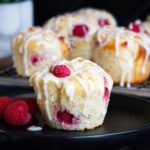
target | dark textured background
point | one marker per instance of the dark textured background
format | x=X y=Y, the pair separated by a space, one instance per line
x=123 y=10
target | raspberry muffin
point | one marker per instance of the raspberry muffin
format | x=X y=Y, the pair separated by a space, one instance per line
x=80 y=28
x=35 y=48
x=73 y=95
x=123 y=54
x=100 y=17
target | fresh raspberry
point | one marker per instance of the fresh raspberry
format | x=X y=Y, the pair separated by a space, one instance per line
x=36 y=58
x=4 y=102
x=102 y=22
x=135 y=27
x=60 y=71
x=65 y=117
x=80 y=30
x=31 y=102
x=106 y=94
x=17 y=114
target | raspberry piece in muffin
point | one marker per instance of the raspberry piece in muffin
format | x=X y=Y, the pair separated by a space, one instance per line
x=80 y=30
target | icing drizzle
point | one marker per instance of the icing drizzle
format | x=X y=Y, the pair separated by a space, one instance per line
x=121 y=35
x=78 y=67
x=49 y=42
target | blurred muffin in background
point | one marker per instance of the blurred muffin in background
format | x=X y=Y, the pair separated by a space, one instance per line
x=80 y=28
x=35 y=48
x=124 y=54
x=141 y=27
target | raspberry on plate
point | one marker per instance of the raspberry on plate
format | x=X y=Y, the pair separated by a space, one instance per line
x=17 y=113
x=4 y=102
x=31 y=102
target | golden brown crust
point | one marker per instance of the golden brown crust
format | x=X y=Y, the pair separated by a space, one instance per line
x=20 y=58
x=105 y=56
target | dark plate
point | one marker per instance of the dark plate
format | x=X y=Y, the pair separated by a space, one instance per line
x=127 y=122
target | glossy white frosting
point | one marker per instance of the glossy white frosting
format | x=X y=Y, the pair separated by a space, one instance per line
x=52 y=46
x=77 y=66
x=121 y=35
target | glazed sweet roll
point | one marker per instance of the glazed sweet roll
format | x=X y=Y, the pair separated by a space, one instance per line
x=73 y=95
x=123 y=54
x=80 y=28
x=35 y=48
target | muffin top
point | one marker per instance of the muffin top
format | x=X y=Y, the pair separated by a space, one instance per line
x=72 y=25
x=78 y=75
x=81 y=24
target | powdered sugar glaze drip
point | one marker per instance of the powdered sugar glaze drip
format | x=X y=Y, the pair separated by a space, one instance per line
x=39 y=35
x=77 y=67
x=121 y=35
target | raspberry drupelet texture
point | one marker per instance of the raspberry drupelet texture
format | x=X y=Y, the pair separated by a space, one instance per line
x=31 y=102
x=80 y=30
x=17 y=114
x=60 y=71
x=135 y=27
x=4 y=102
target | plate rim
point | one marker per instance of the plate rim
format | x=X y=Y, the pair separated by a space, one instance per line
x=96 y=136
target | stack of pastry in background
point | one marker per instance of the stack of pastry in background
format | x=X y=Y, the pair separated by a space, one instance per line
x=80 y=29
x=89 y=33
x=73 y=93
x=36 y=48
x=62 y=37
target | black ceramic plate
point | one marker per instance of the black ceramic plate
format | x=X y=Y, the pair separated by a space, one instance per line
x=127 y=121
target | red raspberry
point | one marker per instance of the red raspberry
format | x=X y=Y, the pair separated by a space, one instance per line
x=36 y=58
x=102 y=22
x=31 y=102
x=135 y=27
x=106 y=94
x=65 y=117
x=80 y=30
x=4 y=102
x=60 y=71
x=17 y=114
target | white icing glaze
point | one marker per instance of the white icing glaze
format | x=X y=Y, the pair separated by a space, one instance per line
x=37 y=82
x=22 y=49
x=47 y=98
x=77 y=66
x=51 y=42
x=34 y=128
x=68 y=21
x=122 y=35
